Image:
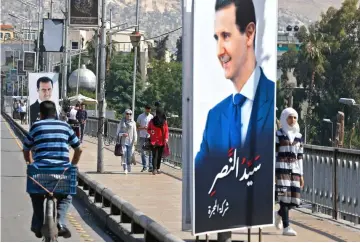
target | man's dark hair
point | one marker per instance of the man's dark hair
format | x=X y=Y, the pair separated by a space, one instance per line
x=157 y=104
x=245 y=12
x=148 y=107
x=77 y=105
x=43 y=80
x=47 y=109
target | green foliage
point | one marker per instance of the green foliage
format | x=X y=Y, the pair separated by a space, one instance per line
x=165 y=84
x=327 y=65
x=179 y=49
x=158 y=52
x=119 y=85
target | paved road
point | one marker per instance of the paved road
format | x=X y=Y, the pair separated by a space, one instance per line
x=16 y=208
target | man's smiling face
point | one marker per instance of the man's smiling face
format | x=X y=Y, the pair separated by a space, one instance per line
x=231 y=43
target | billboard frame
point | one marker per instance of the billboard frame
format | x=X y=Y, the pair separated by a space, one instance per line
x=83 y=26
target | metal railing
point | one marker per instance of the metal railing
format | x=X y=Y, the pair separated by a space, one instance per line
x=175 y=137
x=323 y=178
x=115 y=211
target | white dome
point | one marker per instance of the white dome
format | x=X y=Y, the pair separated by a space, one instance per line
x=87 y=79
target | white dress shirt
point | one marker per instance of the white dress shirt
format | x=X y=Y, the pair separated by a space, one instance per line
x=249 y=91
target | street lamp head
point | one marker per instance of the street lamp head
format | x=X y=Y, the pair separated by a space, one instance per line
x=135 y=38
x=347 y=101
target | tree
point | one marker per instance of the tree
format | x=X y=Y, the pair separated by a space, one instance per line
x=329 y=59
x=119 y=85
x=158 y=51
x=165 y=84
x=179 y=49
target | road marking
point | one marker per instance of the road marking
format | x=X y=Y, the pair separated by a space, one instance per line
x=13 y=135
x=79 y=229
x=71 y=218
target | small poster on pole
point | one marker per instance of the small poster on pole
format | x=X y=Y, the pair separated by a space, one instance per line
x=29 y=61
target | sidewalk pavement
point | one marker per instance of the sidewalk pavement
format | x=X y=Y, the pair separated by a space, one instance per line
x=159 y=197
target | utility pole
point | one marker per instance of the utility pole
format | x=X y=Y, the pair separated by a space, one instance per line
x=97 y=68
x=79 y=63
x=135 y=59
x=49 y=56
x=100 y=158
x=38 y=39
x=110 y=35
x=65 y=60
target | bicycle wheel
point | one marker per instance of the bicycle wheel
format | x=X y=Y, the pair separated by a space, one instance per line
x=49 y=229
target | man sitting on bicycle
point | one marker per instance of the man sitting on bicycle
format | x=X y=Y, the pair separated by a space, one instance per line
x=49 y=140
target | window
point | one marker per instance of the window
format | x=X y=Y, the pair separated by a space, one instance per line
x=1 y=35
x=74 y=45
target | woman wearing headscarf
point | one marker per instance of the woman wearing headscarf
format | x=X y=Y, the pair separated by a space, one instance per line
x=127 y=131
x=159 y=136
x=289 y=168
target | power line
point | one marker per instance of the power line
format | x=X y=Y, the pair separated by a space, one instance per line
x=151 y=38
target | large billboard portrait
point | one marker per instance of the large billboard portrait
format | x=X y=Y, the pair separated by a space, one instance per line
x=42 y=86
x=234 y=74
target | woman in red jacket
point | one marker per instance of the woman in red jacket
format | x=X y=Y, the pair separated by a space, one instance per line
x=159 y=136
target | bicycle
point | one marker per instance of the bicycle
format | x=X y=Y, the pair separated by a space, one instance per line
x=51 y=181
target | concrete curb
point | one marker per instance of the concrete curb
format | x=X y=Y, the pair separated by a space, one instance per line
x=119 y=216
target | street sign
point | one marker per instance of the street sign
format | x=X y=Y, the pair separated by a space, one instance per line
x=29 y=61
x=84 y=13
x=20 y=68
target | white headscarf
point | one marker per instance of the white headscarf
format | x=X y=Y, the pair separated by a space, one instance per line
x=290 y=131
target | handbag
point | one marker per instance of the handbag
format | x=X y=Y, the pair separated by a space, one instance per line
x=166 y=151
x=147 y=145
x=118 y=147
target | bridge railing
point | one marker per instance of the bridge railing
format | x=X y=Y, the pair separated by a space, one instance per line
x=323 y=177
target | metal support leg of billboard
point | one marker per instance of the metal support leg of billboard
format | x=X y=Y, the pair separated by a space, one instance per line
x=100 y=157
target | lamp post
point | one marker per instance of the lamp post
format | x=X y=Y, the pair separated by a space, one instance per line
x=135 y=38
x=101 y=120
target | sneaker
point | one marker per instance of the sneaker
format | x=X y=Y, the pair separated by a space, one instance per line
x=278 y=221
x=153 y=172
x=158 y=171
x=64 y=232
x=289 y=231
x=126 y=171
x=143 y=169
x=150 y=170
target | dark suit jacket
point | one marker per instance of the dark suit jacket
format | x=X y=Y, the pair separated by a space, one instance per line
x=248 y=205
x=34 y=111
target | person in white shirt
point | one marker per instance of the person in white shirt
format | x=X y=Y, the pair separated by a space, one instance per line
x=142 y=124
x=22 y=113
x=73 y=122
x=126 y=129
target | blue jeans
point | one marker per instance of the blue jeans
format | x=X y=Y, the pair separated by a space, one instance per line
x=63 y=204
x=145 y=155
x=127 y=157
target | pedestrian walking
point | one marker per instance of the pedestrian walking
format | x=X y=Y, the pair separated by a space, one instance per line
x=82 y=116
x=127 y=132
x=159 y=136
x=23 y=112
x=142 y=125
x=289 y=168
